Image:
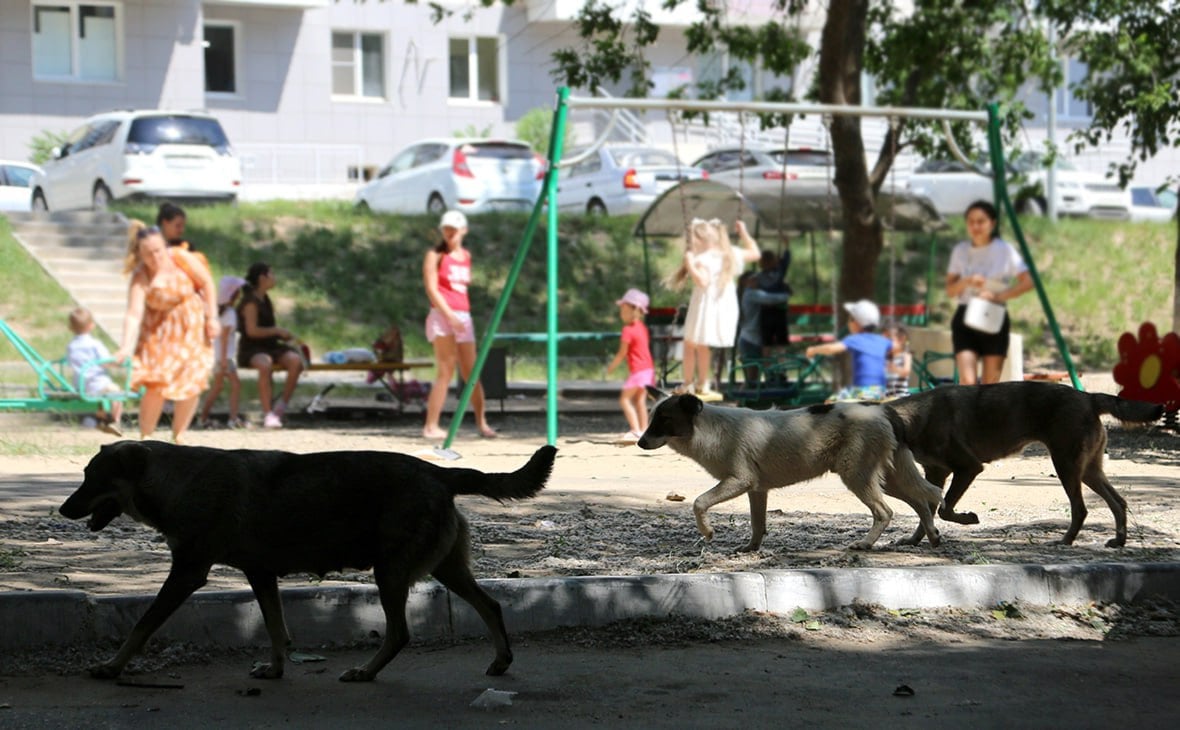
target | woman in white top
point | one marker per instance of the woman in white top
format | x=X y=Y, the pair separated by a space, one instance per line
x=990 y=268
x=712 y=263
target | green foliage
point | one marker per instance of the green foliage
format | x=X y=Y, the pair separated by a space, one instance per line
x=471 y=131
x=1132 y=50
x=536 y=126
x=41 y=146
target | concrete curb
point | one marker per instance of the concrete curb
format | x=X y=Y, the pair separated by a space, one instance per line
x=339 y=614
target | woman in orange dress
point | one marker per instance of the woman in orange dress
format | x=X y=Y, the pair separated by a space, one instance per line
x=169 y=328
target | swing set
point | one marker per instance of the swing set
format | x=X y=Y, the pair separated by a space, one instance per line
x=546 y=204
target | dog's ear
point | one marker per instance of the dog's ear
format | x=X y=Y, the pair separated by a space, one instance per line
x=132 y=456
x=655 y=393
x=691 y=405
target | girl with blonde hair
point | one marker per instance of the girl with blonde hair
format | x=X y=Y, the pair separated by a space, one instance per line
x=712 y=263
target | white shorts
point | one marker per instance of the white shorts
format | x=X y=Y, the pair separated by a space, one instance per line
x=438 y=325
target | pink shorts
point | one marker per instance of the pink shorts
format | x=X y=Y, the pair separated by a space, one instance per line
x=640 y=379
x=438 y=325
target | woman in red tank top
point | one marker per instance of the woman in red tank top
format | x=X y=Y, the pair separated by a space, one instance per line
x=446 y=272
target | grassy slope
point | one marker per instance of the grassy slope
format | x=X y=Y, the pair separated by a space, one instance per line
x=343 y=277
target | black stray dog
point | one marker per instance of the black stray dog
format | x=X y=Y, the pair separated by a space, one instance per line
x=272 y=513
x=956 y=429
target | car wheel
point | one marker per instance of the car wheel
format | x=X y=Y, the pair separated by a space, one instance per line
x=595 y=207
x=39 y=203
x=436 y=205
x=1034 y=206
x=102 y=196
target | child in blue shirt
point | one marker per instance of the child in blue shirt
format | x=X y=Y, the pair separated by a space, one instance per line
x=85 y=354
x=869 y=351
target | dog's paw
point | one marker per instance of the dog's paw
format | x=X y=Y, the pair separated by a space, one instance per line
x=861 y=545
x=266 y=670
x=104 y=671
x=1116 y=542
x=959 y=518
x=356 y=674
x=750 y=547
x=935 y=538
x=499 y=666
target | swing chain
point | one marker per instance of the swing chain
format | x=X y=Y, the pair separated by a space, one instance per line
x=679 y=176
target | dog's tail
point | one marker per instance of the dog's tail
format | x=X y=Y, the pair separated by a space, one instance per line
x=523 y=483
x=1131 y=411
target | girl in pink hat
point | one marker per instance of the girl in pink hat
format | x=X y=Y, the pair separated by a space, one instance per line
x=635 y=346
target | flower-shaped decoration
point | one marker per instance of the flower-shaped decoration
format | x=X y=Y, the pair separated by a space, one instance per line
x=1149 y=367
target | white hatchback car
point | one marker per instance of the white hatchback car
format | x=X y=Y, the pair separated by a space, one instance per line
x=951 y=186
x=140 y=154
x=15 y=192
x=470 y=175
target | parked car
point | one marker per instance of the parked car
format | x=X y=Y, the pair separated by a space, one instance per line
x=951 y=186
x=1148 y=205
x=471 y=175
x=15 y=192
x=617 y=179
x=140 y=154
x=733 y=164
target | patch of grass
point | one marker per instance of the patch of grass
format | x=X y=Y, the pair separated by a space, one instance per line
x=31 y=302
x=343 y=277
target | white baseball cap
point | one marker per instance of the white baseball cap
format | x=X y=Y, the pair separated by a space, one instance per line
x=453 y=219
x=864 y=312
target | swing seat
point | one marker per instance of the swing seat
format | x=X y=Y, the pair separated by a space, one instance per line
x=57 y=388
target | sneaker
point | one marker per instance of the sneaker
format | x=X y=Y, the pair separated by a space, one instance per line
x=204 y=425
x=272 y=420
x=111 y=428
x=280 y=408
x=236 y=423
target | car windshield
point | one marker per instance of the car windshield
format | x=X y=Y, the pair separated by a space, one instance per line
x=497 y=151
x=177 y=130
x=642 y=158
x=19 y=176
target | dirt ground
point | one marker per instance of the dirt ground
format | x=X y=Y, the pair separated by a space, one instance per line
x=611 y=510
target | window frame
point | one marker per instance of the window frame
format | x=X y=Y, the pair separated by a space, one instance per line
x=75 y=50
x=236 y=27
x=473 y=68
x=357 y=64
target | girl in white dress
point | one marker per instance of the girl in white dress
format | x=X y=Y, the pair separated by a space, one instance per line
x=713 y=263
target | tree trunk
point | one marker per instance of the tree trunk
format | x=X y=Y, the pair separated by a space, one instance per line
x=841 y=60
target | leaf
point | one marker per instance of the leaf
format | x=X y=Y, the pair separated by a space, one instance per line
x=799 y=615
x=811 y=626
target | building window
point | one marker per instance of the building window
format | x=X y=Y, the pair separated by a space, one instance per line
x=221 y=58
x=475 y=69
x=76 y=41
x=358 y=65
x=1068 y=105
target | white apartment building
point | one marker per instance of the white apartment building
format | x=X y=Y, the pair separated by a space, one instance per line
x=313 y=92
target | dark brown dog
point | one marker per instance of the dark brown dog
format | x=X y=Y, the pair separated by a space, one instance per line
x=956 y=429
x=271 y=513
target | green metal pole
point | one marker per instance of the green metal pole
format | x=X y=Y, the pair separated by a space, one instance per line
x=995 y=148
x=556 y=143
x=513 y=273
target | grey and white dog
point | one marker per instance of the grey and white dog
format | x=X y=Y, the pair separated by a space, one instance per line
x=751 y=452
